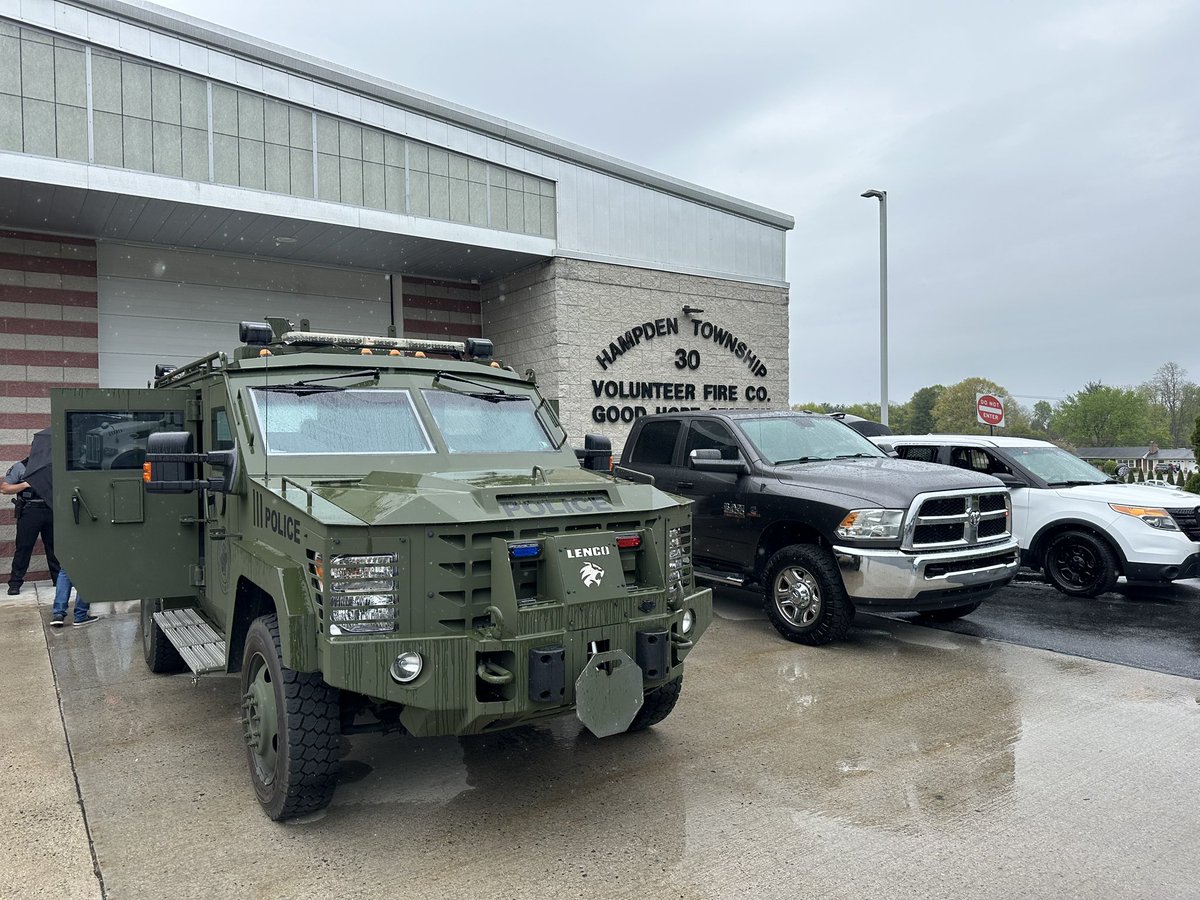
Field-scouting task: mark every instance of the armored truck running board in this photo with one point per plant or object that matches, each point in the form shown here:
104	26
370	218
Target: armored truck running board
719	578
199	645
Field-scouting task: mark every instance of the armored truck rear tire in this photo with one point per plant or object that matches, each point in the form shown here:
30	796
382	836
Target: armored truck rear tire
292	727
160	654
804	596
657	705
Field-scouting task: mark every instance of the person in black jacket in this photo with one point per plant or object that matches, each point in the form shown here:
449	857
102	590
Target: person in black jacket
34	520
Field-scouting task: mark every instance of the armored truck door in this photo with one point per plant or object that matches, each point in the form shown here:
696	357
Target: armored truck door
116	541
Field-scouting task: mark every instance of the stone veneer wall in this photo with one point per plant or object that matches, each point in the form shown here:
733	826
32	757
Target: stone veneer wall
558	316
47	339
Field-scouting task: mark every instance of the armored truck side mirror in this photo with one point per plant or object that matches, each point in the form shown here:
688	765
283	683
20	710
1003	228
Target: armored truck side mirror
170	466
709	460
596	453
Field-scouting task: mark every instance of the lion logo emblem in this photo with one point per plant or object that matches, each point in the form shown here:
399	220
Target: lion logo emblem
591	574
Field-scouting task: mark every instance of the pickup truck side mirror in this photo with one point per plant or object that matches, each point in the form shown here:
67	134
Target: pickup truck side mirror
1011	481
887	448
710	461
170	466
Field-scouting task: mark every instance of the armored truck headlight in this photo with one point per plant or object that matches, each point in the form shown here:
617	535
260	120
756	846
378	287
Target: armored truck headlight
1152	516
362	613
689	621
872	525
406	667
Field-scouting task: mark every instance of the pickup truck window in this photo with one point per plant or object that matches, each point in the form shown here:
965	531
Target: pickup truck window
792	439
710	436
656	443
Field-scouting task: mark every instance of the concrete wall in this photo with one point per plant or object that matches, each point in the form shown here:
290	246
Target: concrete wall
47	339
595	330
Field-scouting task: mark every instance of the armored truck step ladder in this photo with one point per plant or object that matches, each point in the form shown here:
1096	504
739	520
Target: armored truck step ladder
200	646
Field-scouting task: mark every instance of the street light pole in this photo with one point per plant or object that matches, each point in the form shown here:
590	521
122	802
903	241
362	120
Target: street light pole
881	196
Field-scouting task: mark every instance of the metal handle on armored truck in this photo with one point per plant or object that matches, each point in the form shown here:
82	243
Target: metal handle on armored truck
170	466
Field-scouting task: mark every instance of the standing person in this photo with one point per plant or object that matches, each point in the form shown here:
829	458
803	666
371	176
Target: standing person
62	597
34	519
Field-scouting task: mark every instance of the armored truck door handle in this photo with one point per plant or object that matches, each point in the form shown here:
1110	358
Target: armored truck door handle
77	501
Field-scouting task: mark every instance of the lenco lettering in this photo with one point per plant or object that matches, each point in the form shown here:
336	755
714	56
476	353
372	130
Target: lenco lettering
555	506
588	552
272	520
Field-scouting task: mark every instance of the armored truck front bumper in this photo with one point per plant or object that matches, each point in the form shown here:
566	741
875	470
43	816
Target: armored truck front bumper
474	683
899	580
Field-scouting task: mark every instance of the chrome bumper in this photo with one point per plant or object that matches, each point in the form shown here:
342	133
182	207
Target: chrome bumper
893	575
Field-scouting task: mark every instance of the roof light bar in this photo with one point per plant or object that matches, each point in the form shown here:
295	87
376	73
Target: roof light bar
328	339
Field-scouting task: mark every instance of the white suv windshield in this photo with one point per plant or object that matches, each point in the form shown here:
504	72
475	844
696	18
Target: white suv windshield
1056	466
787	439
339	421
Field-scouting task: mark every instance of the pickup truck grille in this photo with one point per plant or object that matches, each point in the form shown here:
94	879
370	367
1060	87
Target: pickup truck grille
1188	520
947	521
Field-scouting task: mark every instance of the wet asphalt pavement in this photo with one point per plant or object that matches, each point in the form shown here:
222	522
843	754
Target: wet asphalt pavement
1153	627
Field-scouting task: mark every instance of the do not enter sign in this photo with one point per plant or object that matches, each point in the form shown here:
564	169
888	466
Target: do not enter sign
989	409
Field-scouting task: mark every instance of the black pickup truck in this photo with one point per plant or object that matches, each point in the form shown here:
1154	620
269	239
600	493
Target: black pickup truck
823	520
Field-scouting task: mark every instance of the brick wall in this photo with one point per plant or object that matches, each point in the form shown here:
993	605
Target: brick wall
47	339
440	310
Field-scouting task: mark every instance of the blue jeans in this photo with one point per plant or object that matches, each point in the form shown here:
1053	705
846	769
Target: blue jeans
62	596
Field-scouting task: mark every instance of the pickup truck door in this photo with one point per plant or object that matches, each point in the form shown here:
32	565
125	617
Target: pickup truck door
115	541
719	515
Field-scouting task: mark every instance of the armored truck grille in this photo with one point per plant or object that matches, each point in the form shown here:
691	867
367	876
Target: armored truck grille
946	521
1188	521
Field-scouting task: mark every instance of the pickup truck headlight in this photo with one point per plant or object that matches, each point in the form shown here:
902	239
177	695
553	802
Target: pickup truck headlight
872	525
1151	515
362	597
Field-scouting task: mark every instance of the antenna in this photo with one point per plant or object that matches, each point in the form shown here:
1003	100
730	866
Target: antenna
266	423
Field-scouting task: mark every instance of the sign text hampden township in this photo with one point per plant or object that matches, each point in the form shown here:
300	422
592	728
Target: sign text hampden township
671	396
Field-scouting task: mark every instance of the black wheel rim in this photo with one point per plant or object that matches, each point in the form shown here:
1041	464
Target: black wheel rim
1077	564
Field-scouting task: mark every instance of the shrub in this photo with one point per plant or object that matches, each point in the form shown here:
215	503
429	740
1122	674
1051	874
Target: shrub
1193	482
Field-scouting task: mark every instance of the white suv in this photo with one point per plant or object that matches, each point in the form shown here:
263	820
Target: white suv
1072	521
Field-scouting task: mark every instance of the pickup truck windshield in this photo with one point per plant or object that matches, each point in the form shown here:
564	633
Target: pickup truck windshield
1057	466
794	439
339	422
475	423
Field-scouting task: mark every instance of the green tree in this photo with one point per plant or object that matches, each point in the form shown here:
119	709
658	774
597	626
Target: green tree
922	420
817	407
1103	416
1196	439
1170	390
1043	414
954	410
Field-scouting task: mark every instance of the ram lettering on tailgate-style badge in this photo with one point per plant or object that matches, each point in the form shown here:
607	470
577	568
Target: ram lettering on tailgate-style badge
591	574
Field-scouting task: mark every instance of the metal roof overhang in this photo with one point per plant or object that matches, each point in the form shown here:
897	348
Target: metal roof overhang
55	196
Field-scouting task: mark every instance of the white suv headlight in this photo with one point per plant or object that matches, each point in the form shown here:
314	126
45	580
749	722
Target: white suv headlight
1151	515
872	525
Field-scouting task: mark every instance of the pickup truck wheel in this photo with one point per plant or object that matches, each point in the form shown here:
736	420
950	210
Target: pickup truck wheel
292	728
160	654
948	615
805	599
1080	564
657	705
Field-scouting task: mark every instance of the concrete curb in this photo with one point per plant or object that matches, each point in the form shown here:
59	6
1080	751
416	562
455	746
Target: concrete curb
44	843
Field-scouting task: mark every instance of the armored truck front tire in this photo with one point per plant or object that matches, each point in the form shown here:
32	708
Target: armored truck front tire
161	656
292	727
657	705
804	597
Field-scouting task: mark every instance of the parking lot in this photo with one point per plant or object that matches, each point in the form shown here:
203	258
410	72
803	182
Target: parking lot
906	761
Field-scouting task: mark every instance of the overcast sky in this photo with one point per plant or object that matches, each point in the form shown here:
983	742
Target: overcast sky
1041	158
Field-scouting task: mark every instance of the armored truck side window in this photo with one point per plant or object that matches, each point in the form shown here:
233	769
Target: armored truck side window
112	439
221	437
487	423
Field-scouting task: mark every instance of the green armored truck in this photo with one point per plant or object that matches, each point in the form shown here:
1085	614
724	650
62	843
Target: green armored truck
377	534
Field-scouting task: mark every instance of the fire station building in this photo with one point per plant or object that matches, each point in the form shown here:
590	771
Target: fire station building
163	178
